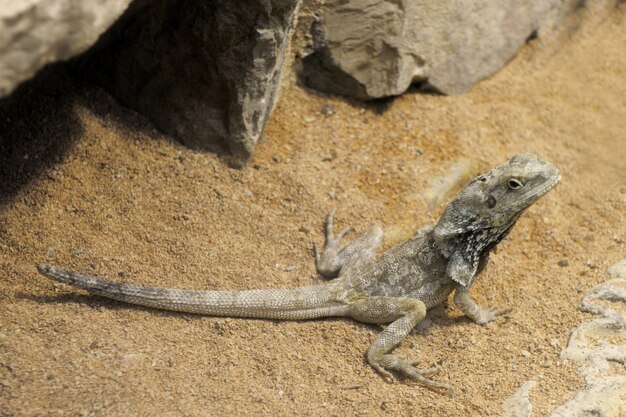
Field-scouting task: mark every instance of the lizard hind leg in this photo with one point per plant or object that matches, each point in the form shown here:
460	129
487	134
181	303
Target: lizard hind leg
336	257
404	314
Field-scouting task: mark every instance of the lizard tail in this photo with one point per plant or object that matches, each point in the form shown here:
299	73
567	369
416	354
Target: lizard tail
280	303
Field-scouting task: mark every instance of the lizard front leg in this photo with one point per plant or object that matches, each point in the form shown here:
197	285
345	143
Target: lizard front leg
334	257
404	314
473	310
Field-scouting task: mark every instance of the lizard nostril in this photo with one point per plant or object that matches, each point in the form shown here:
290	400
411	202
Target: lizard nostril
491	202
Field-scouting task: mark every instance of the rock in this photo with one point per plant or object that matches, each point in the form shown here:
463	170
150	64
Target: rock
34	33
327	110
369	49
597	347
518	404
207	73
618	270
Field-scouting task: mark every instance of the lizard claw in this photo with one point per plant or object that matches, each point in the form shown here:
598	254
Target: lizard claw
329	221
344	232
433	370
500	311
490	314
330	242
328	261
388	363
331	239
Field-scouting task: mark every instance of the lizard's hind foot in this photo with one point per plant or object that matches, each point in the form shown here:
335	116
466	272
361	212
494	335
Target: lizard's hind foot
335	257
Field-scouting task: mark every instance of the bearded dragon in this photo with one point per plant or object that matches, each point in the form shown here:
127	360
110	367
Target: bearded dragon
397	287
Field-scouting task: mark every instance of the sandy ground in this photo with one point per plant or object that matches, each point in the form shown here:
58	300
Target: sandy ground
89	185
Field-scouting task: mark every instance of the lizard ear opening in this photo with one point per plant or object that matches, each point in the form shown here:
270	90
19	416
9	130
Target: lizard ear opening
460	270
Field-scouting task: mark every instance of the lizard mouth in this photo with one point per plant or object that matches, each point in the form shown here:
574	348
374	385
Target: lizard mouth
550	184
542	190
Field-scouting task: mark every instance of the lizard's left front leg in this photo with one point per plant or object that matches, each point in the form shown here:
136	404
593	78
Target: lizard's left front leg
473	310
404	314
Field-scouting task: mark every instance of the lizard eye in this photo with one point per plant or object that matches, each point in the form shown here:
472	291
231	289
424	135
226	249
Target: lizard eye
515	184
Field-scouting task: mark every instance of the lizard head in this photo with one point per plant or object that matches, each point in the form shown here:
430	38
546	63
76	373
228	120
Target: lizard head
486	210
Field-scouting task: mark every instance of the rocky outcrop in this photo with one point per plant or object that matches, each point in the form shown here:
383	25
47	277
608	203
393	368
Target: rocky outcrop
368	49
34	33
207	73
595	346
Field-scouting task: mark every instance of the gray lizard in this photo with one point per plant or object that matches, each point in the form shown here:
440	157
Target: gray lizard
397	287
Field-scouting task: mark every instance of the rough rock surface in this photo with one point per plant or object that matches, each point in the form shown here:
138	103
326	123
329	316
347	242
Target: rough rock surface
595	346
34	33
205	72
370	49
518	404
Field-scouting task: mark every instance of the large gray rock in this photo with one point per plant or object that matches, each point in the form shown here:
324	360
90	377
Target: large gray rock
34	33
370	49
206	72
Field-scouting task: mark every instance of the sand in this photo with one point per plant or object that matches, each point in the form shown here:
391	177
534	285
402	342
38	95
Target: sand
90	186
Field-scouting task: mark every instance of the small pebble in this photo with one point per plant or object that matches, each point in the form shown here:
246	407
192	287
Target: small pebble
328	109
618	270
132	358
525	353
563	263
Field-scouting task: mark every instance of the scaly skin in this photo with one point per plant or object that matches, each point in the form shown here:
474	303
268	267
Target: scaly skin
398	287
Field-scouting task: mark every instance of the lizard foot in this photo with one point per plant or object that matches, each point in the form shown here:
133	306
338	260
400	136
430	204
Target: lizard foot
490	314
473	310
328	262
337	256
388	363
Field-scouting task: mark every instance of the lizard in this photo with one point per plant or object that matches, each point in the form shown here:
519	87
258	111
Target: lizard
395	288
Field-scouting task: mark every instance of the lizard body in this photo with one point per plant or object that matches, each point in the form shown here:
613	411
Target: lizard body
397	287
